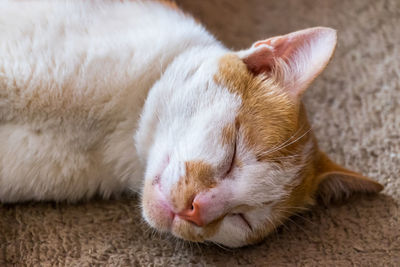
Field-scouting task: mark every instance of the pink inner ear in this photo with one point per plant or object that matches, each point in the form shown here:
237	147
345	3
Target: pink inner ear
281	45
263	59
304	54
260	61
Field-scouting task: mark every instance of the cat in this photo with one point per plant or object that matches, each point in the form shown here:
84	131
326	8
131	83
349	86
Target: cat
105	97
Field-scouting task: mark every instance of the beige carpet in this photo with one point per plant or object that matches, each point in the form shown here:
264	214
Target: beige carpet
355	109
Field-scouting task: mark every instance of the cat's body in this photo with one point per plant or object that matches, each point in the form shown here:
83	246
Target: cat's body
68	113
100	97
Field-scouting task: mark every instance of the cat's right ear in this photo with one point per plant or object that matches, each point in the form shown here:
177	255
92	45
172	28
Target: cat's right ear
335	182
296	58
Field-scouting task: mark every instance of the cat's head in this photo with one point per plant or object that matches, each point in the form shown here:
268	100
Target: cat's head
229	151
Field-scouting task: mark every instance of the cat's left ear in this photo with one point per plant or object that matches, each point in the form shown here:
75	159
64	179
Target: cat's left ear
297	58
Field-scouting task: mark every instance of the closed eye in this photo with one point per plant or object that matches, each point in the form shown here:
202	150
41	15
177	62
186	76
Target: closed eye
232	164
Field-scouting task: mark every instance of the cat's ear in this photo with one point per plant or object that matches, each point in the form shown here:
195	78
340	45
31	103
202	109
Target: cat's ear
336	183
297	58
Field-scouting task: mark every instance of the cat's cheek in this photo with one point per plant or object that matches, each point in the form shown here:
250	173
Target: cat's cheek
232	232
156	210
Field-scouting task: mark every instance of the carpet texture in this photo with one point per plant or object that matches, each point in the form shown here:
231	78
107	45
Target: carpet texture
355	110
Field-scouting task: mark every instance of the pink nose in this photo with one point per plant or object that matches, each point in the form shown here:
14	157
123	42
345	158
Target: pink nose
192	215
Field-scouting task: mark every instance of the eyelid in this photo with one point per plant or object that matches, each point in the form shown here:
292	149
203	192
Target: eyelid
242	208
232	162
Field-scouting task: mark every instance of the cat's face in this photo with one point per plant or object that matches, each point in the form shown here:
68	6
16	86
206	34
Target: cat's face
228	148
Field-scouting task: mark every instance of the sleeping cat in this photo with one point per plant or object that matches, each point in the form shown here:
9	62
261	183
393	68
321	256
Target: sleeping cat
96	95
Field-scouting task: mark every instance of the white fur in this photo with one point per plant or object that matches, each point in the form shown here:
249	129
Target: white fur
73	79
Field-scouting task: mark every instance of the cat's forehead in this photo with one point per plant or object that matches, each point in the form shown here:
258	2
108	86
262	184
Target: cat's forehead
263	118
267	116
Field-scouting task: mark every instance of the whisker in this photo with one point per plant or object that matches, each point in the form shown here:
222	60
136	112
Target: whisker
286	144
221	246
297	225
282	144
275	227
281	224
287	157
273	160
292	214
301	217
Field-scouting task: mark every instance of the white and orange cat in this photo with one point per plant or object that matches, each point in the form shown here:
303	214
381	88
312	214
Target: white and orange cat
101	97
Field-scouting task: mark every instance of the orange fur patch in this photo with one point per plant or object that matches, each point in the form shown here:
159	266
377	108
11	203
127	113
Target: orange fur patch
228	134
267	118
199	176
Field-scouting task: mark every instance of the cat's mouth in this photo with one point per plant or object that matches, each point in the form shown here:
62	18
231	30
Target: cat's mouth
239	219
243	220
210	232
192	232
